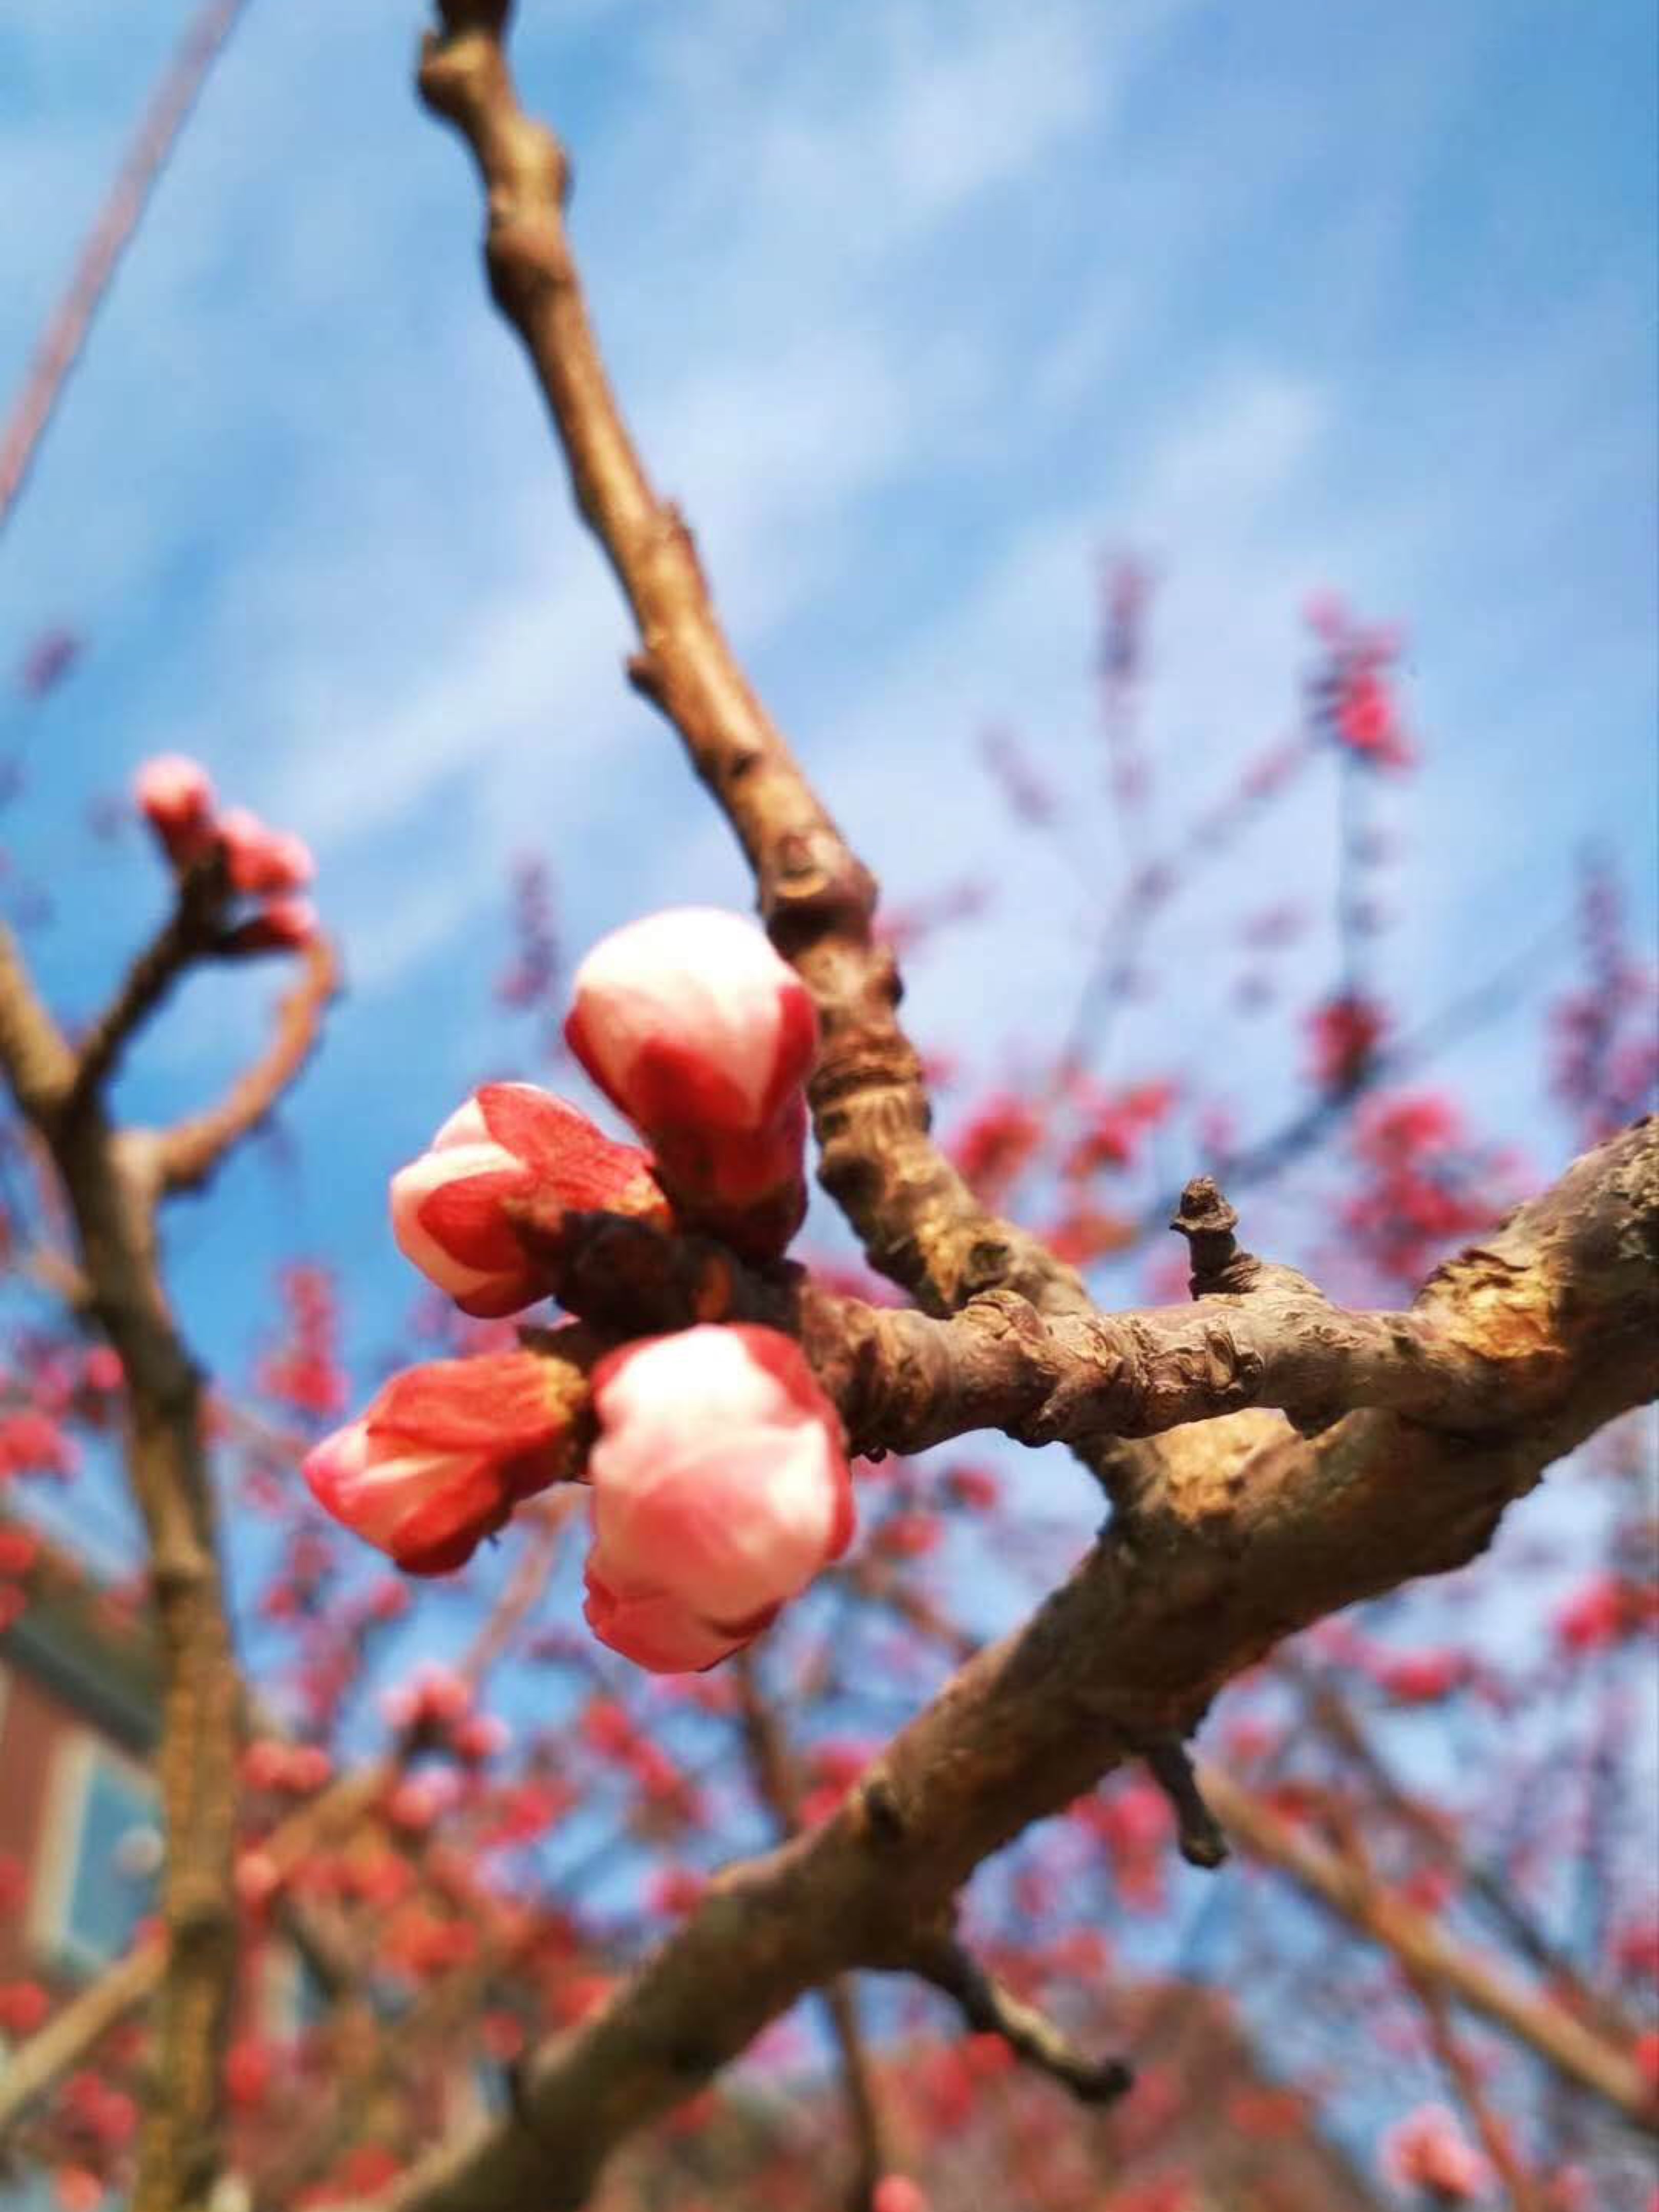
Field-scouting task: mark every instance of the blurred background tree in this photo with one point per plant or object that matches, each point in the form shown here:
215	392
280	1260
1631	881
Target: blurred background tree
1034	385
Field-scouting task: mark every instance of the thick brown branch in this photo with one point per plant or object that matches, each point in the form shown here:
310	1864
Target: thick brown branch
76	2027
110	1196
920	1222
1493	1341
37	1064
111	1182
1230	1536
193	1150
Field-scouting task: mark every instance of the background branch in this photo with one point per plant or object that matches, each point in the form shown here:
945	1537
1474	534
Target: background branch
1578	2052
191	1150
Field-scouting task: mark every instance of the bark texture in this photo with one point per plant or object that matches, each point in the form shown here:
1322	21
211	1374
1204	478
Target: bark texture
1408	1435
112	1183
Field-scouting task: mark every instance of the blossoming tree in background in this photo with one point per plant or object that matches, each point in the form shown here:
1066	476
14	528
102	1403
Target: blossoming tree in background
849	1844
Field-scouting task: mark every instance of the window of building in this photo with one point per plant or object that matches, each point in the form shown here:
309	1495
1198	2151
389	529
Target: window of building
100	1857
27	2192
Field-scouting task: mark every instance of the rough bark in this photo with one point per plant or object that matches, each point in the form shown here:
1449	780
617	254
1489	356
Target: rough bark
1225	1538
920	1222
112	1183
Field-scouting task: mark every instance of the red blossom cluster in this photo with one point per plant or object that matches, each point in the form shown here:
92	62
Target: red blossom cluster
283	1769
175	796
997	1146
1604	1610
304	1370
35	1443
1428	2151
719	1479
1351	699
1422	1185
1115	1125
1130	1818
1345	1034
1604	1043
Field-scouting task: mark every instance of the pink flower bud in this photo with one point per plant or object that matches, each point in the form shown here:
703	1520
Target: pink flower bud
1429	2151
720	1488
264	862
282	925
896	2192
510	1142
175	797
690	1023
444	1454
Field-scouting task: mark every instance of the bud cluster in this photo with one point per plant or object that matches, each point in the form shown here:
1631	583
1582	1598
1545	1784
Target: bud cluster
718	1475
175	797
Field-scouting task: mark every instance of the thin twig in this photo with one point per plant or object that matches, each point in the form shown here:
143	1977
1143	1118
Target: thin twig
991	2009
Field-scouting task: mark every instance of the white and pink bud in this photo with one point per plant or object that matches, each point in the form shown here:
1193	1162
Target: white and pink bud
510	1146
175	797
693	1026
445	1453
719	1489
263	862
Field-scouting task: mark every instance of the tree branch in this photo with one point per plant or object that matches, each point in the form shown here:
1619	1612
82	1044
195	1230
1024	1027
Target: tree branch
777	1781
37	1061
991	2009
49	371
1492	1341
1465	2078
1579	2053
920	1222
191	1150
1228	1537
188	935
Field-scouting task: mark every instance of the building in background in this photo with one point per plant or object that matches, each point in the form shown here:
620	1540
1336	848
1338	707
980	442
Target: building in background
80	1834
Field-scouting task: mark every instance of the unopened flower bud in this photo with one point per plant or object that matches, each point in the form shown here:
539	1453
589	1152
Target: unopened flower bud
445	1453
175	797
720	1488
263	861
282	925
510	1144
690	1023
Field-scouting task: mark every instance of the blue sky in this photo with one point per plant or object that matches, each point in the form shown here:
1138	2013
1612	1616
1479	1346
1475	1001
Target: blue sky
914	307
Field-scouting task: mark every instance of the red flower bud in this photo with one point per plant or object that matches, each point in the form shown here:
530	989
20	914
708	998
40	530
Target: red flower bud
175	798
720	1488
690	1023
445	1453
263	861
510	1142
